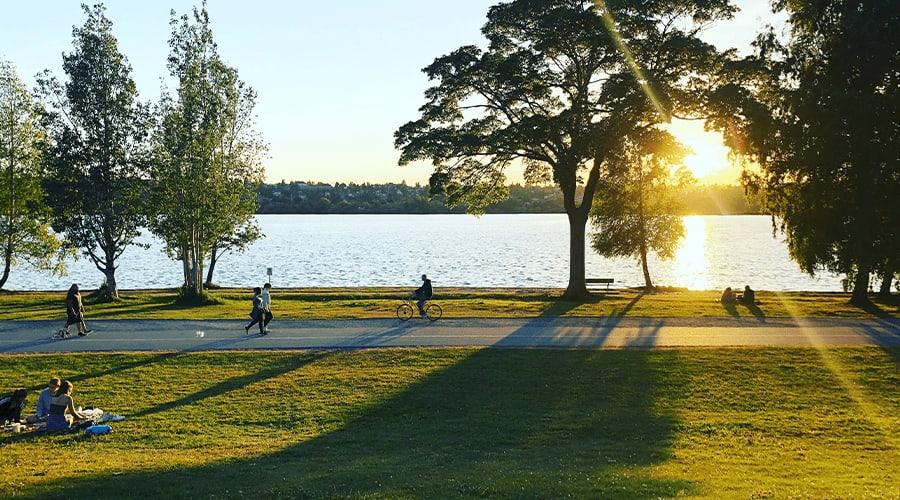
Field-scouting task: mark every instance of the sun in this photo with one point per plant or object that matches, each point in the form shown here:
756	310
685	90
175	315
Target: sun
709	163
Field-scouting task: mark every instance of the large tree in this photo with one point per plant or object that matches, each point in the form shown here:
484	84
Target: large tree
208	155
559	85
97	147
639	206
823	125
25	235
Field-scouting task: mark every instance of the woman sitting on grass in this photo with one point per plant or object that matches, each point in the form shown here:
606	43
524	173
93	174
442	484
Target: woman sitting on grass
62	409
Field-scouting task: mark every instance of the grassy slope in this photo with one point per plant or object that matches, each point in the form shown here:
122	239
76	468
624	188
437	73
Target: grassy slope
704	423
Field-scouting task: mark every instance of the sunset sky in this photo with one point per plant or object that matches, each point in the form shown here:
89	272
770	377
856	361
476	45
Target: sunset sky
335	79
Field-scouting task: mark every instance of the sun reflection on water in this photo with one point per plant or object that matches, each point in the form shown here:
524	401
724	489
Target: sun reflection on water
690	264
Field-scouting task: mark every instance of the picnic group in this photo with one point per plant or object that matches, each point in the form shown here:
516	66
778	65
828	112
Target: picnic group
55	412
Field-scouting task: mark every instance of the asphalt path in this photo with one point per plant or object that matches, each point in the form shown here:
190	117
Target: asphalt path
583	332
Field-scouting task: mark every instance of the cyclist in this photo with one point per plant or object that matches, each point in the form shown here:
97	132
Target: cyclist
422	294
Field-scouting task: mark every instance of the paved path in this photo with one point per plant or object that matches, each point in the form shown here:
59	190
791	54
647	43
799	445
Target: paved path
178	335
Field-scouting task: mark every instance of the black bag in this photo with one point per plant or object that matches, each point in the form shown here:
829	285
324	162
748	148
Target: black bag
11	406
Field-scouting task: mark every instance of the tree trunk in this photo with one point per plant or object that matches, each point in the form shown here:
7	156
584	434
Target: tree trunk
577	288
112	286
7	264
883	292
11	214
7	257
186	266
648	284
860	295
212	267
578	217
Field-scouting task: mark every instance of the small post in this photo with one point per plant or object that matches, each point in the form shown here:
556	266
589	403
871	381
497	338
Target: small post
269	274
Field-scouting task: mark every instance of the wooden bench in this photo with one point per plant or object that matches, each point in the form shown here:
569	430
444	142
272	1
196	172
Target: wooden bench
599	281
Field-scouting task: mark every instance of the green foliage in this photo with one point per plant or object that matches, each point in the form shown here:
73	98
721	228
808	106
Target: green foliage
639	209
719	200
820	116
25	235
323	198
559	85
96	149
208	156
187	296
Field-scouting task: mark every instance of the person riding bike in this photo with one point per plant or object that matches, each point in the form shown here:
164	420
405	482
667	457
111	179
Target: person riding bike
422	294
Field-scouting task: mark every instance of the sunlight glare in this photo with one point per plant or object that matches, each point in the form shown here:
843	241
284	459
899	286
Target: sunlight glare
690	259
709	163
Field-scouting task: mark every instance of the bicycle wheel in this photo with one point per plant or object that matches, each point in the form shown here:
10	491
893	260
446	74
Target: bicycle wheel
434	312
404	312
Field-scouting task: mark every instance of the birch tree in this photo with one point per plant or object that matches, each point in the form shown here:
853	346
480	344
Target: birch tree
208	156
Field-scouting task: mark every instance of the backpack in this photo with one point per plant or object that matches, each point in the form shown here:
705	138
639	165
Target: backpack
11	406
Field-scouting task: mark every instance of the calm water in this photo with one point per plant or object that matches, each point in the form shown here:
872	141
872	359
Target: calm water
457	250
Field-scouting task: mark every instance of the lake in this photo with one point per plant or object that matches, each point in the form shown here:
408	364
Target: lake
514	250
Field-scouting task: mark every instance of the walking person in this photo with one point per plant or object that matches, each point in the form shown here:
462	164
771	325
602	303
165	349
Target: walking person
267	306
256	314
75	312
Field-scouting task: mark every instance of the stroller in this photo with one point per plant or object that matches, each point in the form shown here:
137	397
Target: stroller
11	406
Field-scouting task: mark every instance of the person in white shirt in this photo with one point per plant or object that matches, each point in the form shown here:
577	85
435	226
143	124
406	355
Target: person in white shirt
266	306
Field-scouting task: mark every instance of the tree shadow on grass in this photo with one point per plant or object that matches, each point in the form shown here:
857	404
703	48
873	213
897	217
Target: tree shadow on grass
507	423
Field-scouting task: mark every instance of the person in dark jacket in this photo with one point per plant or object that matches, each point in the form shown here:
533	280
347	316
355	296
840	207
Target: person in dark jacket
422	294
75	312
256	314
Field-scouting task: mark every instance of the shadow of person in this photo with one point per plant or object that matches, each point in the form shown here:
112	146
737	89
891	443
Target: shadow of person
731	309
756	312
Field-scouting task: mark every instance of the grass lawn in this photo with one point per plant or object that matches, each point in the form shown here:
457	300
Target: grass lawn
341	303
437	423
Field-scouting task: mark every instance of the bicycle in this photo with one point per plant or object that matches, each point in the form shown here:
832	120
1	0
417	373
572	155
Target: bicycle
406	310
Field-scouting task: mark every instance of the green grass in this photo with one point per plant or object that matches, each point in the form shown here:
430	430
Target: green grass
338	303
462	423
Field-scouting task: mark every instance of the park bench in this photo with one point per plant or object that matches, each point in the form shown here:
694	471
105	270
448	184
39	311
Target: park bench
593	282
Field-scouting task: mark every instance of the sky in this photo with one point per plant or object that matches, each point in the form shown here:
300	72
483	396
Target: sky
334	79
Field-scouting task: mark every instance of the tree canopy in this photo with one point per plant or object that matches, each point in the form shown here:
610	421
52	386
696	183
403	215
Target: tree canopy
639	207
96	148
25	234
207	155
558	87
820	115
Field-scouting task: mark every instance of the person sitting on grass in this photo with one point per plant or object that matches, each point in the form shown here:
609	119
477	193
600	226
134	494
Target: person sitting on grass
11	406
749	296
62	409
728	297
44	401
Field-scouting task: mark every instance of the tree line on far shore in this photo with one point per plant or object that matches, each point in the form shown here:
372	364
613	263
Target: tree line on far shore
391	198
